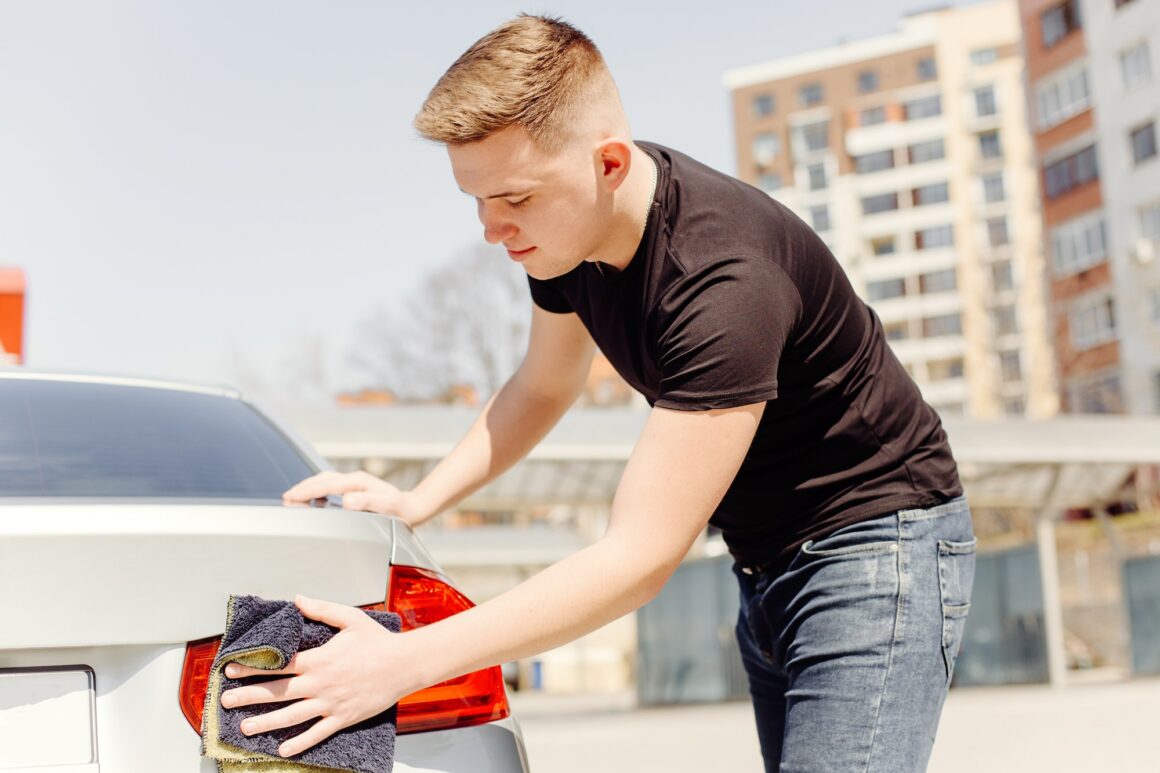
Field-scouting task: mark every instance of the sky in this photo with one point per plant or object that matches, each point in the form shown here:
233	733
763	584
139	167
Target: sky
219	190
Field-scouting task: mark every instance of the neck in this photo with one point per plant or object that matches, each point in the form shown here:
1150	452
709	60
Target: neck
630	216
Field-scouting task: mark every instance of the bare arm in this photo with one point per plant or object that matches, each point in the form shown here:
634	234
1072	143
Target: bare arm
548	381
676	476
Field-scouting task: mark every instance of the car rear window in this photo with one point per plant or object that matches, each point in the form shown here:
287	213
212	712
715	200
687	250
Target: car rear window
66	439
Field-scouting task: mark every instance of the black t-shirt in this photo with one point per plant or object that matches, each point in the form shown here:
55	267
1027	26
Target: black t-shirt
731	299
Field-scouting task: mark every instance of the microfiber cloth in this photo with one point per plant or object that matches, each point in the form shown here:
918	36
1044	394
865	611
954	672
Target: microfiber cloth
265	634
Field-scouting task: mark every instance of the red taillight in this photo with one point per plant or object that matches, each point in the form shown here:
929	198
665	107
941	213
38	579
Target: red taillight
199	657
419	597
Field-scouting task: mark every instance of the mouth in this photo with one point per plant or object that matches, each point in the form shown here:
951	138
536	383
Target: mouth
519	255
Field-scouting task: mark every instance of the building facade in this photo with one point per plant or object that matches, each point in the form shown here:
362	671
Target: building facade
1095	104
909	154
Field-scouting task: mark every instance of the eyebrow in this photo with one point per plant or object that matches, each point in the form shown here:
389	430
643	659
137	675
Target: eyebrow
504	195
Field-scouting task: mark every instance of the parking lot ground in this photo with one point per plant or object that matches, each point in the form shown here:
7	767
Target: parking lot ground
1113	727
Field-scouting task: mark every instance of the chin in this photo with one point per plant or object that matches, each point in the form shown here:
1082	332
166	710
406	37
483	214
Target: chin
551	270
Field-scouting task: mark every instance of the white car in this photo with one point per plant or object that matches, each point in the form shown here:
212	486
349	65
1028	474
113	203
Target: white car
130	510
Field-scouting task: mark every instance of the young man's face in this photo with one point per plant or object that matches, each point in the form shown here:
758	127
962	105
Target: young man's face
549	211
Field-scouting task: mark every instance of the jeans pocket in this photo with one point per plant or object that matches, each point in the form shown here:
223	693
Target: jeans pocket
956	574
811	548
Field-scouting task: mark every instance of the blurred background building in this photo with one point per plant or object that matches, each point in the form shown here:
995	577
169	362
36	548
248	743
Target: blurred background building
909	154
1095	105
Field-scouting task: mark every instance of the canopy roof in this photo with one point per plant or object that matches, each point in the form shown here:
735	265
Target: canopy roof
1070	461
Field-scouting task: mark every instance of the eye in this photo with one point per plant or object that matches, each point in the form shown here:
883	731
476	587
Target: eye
520	203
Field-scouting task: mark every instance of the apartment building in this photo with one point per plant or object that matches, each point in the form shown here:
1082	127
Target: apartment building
909	154
1095	100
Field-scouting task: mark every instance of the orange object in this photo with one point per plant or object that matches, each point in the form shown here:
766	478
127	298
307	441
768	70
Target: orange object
12	287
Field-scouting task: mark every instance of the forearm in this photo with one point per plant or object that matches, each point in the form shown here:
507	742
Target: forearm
510	425
575	596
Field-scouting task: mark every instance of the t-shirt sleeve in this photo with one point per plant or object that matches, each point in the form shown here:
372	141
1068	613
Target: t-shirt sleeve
722	333
548	297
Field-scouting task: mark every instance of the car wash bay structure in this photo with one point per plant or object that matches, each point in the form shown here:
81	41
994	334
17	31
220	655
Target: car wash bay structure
1041	469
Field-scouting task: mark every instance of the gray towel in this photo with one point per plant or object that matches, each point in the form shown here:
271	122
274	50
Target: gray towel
265	634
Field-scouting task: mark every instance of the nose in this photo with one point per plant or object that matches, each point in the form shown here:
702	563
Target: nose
496	227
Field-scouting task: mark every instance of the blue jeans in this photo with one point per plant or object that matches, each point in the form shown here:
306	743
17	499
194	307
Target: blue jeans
850	651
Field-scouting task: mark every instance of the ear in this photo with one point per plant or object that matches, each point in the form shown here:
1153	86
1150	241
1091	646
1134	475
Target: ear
613	158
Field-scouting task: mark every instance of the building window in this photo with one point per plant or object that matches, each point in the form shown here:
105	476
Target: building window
1144	143
874	162
944	370
943	325
993	188
943	281
1098	393
922	108
1003	321
989	146
985	101
1014	406
766	146
883	245
1010	366
931	194
872	115
930	238
1136	65
1092	321
815	136
926	69
896	331
820	217
885	289
1061	96
883	202
763	105
1058	21
1150	221
1078	244
817	173
1071	172
931	150
810	94
982	56
1002	276
867	81
997	235
769	181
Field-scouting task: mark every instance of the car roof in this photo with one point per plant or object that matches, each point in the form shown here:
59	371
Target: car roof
78	377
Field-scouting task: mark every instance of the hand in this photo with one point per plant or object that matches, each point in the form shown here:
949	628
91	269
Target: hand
346	680
361	491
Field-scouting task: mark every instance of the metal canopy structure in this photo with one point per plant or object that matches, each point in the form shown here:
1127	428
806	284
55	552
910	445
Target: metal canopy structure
1044	466
1060	463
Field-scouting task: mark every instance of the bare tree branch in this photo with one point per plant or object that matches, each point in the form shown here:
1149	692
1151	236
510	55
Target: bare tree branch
467	324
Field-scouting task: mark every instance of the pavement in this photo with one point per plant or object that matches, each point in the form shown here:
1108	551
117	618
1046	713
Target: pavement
1098	727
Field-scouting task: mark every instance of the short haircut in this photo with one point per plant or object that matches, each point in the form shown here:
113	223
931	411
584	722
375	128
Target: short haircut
535	72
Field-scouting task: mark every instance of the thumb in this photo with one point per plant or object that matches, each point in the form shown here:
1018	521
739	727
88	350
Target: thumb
338	615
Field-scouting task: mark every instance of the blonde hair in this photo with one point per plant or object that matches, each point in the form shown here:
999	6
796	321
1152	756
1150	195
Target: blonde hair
535	72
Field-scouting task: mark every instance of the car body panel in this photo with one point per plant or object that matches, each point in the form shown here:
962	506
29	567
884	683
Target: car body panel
138	573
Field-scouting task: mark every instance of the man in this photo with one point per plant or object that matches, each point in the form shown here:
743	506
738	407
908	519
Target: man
779	414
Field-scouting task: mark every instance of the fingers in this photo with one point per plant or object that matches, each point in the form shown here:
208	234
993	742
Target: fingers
240	671
287	716
371	502
338	615
331	482
318	732
266	692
